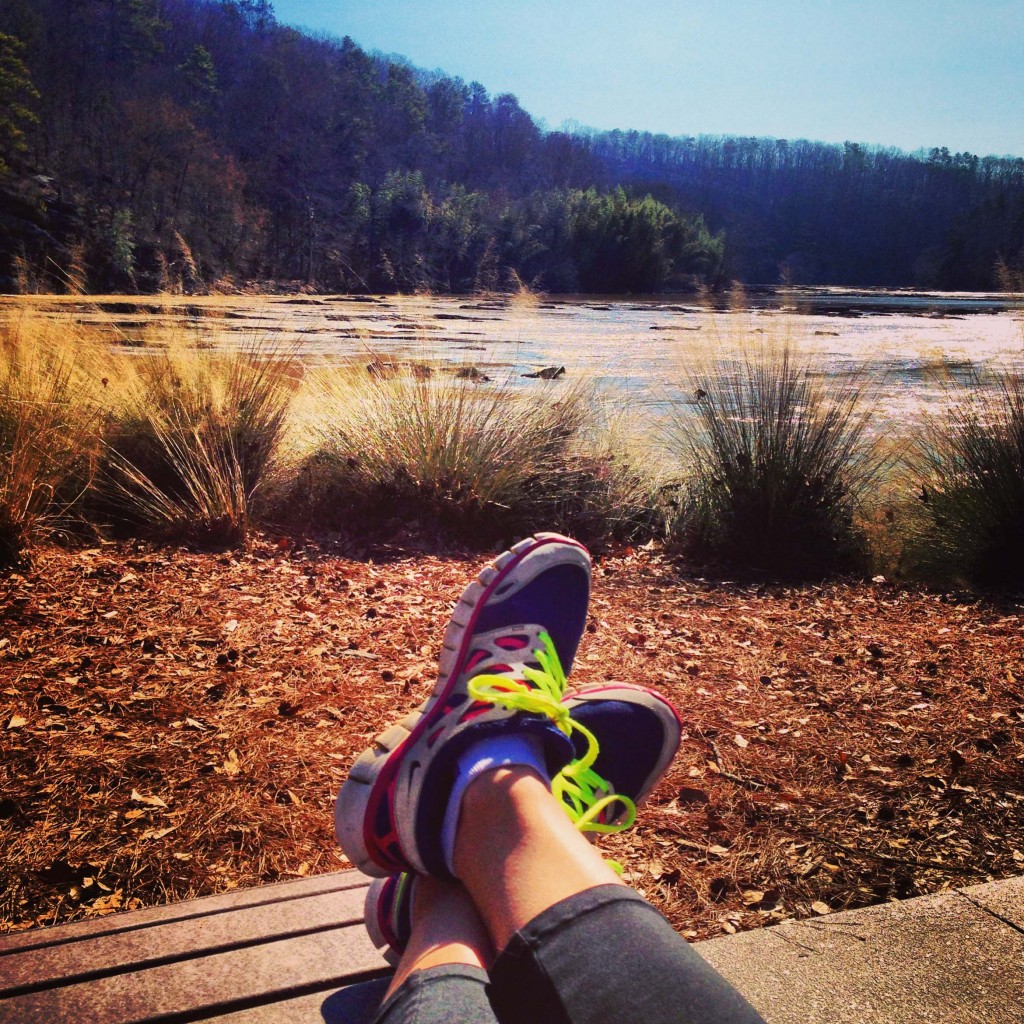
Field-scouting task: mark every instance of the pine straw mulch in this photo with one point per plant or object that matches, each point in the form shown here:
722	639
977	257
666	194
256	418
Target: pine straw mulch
175	724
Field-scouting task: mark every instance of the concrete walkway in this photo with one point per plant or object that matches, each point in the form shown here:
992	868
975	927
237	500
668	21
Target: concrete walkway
946	959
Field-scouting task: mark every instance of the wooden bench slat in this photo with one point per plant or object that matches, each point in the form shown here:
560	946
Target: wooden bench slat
185	910
165	942
198	989
353	1004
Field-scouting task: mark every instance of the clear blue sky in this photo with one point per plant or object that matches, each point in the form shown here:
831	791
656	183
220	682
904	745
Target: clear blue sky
907	73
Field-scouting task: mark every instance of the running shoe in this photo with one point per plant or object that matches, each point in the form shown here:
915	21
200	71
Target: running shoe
637	734
388	914
511	640
625	738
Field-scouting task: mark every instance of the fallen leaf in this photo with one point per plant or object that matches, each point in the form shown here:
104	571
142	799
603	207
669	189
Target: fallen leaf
740	741
157	833
151	801
106	904
751	897
232	765
17	722
821	908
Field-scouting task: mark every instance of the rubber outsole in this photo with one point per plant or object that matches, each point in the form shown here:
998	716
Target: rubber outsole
371	917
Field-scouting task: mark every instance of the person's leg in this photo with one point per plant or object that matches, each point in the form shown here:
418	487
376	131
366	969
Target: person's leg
442	793
446	929
577	944
517	853
442	975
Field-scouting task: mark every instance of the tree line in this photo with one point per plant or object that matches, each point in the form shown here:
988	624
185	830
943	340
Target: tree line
183	144
817	213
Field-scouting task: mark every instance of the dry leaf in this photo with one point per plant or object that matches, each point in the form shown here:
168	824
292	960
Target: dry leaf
740	741
232	765
157	833
152	801
821	908
752	896
17	722
106	904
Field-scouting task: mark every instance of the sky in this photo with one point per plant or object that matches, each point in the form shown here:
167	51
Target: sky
906	73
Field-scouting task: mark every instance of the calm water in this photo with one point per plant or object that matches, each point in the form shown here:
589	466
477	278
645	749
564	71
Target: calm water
636	350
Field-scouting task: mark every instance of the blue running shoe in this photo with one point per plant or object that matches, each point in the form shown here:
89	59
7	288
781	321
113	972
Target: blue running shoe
626	737
387	914
501	670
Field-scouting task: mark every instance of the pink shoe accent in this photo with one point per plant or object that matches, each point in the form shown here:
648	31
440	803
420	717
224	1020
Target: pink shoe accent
512	643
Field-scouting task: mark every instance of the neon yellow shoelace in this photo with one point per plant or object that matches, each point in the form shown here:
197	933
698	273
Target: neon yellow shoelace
581	791
544	697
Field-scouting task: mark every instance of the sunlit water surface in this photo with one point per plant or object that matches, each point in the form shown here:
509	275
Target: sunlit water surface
638	352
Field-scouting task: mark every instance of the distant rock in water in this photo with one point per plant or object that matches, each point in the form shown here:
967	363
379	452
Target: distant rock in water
471	373
548	373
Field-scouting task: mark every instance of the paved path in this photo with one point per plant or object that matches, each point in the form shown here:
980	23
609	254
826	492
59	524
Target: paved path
946	959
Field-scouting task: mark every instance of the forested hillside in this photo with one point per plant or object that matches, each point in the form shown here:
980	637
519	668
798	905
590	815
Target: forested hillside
188	144
850	214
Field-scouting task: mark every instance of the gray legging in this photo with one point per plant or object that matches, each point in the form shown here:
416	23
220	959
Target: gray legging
603	956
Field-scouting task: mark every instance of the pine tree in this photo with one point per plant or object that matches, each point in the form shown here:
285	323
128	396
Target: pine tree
17	93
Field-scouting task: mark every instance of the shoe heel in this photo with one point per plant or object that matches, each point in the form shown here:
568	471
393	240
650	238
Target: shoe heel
354	797
371	918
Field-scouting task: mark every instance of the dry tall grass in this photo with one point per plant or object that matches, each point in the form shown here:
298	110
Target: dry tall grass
966	525
48	411
778	464
193	437
459	459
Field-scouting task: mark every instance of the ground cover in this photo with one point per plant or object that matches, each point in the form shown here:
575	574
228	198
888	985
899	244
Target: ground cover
174	724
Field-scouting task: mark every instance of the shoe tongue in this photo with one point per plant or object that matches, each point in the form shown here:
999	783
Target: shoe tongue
504	651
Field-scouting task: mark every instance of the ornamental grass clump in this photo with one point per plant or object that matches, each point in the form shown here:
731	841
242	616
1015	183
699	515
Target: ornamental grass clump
47	436
966	523
451	457
193	437
776	465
